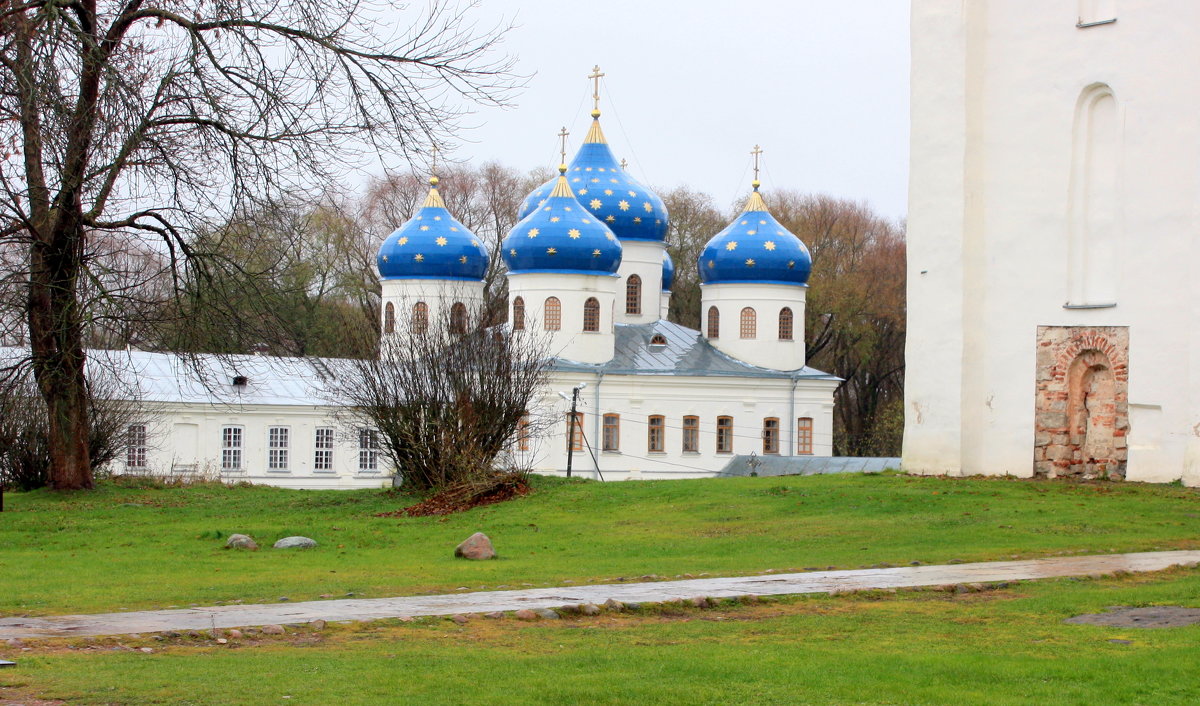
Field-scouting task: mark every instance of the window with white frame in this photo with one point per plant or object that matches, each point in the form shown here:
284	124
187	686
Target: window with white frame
323	453
278	445
231	448
135	446
368	450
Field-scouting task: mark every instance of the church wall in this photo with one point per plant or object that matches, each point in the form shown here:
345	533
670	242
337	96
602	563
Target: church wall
765	349
1000	212
570	341
644	259
438	295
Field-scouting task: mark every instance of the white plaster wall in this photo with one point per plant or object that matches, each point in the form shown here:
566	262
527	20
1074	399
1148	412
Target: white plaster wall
994	93
664	304
438	295
573	290
643	258
767	300
748	400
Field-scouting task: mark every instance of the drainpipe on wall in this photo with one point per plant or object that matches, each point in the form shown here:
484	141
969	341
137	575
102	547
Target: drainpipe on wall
598	444
792	418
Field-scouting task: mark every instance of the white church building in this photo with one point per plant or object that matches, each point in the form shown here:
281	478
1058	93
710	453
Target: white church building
1053	218
587	267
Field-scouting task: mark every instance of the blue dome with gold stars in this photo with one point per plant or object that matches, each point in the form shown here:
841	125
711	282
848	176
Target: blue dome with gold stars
755	248
668	275
561	236
632	211
433	245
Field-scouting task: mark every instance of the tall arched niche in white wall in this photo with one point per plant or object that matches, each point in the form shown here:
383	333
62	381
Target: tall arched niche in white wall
1094	220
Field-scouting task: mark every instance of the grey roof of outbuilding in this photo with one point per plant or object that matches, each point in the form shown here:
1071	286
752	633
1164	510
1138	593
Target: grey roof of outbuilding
686	352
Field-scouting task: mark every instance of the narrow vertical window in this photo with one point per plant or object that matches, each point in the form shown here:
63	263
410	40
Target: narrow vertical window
749	323
591	314
612	432
420	318
323	449
519	314
553	314
458	318
804	436
523	433
368	450
575	432
714	322
785	324
655	431
135	446
691	434
770	435
277	448
724	435
231	448
633	295
389	318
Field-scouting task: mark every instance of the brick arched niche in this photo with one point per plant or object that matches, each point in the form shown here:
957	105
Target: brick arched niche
1082	402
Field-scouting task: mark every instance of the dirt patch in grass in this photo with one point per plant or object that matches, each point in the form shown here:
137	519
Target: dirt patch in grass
467	495
1166	616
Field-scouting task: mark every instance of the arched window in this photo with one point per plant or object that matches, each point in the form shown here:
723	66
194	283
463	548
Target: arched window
389	318
633	295
655	431
804	436
458	318
749	323
591	314
691	434
724	435
770	435
714	322
420	318
552	316
658	340
785	324
612	432
519	314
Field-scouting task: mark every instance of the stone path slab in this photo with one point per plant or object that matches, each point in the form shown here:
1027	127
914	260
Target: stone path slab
236	616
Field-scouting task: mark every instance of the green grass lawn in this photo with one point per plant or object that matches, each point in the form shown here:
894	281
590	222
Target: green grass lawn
1006	646
125	548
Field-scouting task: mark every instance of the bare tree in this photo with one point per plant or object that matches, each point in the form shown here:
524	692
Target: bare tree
694	220
447	397
142	122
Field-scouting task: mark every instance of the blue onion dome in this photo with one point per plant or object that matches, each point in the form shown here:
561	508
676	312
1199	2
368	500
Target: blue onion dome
755	248
668	275
432	245
561	236
609	193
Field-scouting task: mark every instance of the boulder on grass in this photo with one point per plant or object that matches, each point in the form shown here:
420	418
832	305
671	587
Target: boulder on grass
241	541
477	547
295	543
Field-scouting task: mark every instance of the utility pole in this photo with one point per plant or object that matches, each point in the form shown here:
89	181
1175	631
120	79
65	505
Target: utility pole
571	425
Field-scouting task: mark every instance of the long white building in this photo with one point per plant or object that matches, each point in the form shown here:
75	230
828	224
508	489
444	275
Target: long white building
1052	228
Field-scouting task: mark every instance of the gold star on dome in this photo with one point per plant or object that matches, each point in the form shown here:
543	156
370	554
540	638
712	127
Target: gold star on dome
403	241
419	257
751	232
711	264
614	181
576	168
596	252
791	264
576	180
475	243
533	232
762	223
608	192
543	201
743	223
595	204
463	259
454	229
637	219
441	241
610	218
646	205
385	258
555	219
633	193
512	251
610	236
546	208
420	218
657	221
437	218
732	245
595	180
574	233
551	251
582	191
769	245
750	262
600	168
424	227
566	208
588	169
624	205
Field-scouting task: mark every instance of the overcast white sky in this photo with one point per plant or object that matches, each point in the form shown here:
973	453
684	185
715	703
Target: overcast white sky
692	85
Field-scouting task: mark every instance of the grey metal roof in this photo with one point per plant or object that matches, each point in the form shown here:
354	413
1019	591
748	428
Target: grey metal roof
806	465
686	352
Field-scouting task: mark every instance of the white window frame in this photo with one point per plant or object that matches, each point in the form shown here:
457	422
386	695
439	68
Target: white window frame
233	445
279	446
323	444
135	446
368	451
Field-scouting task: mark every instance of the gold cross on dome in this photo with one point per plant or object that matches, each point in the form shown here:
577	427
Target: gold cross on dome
562	136
433	167
756	152
623	164
596	76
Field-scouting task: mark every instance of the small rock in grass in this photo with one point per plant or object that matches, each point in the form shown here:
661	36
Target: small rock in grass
614	604
750	598
295	543
317	624
146	650
325	595
698	602
222	641
241	541
460	619
547	614
495	615
272	630
1121	642
14	642
284	599
525	614
633	606
476	547
234	634
589	609
568	609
